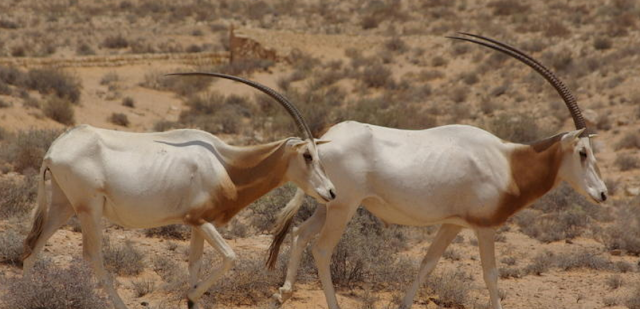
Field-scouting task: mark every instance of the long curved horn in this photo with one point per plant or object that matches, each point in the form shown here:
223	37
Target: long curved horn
560	87
291	109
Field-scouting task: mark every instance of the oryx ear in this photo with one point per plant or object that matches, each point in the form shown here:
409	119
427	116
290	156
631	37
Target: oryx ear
321	141
571	138
593	135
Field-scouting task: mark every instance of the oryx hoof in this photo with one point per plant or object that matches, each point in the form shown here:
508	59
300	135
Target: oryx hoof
283	295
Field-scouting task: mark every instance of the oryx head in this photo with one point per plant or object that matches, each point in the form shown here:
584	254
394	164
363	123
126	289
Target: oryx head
304	166
578	166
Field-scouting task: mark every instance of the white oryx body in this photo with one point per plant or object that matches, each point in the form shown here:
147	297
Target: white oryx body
456	175
410	175
144	180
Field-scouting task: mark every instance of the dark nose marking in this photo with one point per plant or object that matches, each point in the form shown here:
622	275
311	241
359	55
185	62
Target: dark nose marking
603	196
333	195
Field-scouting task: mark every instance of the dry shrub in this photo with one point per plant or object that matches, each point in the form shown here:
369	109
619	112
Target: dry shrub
123	259
396	44
629	141
508	7
246	284
377	76
555	28
560	214
52	287
17	196
540	263
214	113
602	43
633	302
510	272
165	125
623	266
516	127
583	260
614	281
11	247
266	209
25	149
452	288
109	78
128	102
244	66
143	286
385	111
182	85
365	253
174	231
625	234
115	42
119	119
55	81
626	162
60	110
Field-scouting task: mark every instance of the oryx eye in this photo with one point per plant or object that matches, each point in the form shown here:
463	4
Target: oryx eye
583	154
307	157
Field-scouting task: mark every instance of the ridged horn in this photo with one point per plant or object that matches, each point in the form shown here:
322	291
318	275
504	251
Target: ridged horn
560	87
288	106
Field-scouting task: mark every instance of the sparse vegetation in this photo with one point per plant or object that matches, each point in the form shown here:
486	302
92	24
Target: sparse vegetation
115	42
54	288
60	110
25	149
128	102
11	248
119	119
122	259
175	231
629	141
626	162
54	81
17	196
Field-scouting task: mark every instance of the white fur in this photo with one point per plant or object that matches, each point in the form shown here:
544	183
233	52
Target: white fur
145	180
435	176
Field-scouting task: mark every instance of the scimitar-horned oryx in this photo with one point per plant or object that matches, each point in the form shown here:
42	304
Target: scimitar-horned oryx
458	176
145	180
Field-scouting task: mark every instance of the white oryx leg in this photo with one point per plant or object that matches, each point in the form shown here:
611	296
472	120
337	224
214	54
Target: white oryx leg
488	258
195	258
58	214
213	237
338	215
300	238
445	235
90	216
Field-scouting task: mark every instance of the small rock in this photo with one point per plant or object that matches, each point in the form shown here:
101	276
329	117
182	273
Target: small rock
144	303
616	252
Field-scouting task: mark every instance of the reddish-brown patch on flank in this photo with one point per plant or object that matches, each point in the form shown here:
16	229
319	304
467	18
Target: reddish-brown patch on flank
534	171
82	208
253	172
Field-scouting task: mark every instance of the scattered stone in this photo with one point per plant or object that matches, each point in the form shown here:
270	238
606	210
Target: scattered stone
616	252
